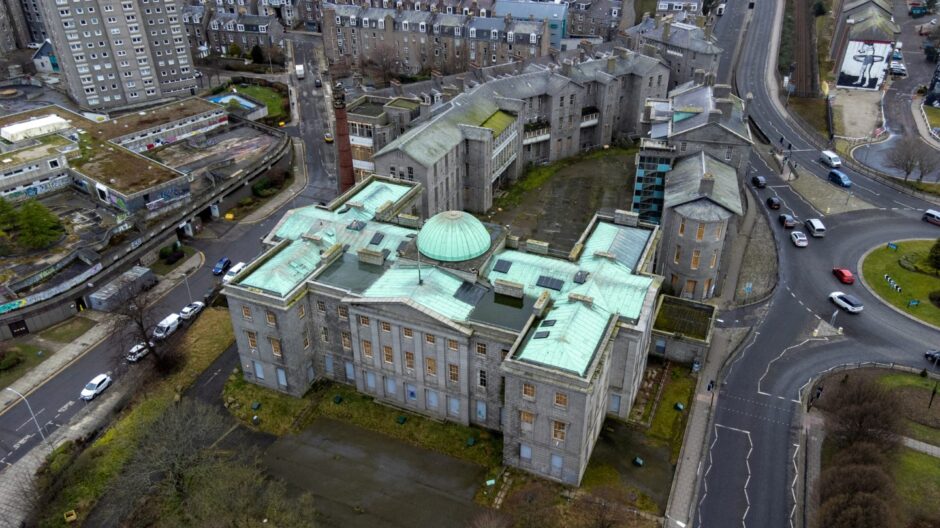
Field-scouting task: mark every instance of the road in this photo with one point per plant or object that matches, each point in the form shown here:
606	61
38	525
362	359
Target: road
56	401
749	472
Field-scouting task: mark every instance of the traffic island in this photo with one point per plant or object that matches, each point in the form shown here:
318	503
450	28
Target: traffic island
900	274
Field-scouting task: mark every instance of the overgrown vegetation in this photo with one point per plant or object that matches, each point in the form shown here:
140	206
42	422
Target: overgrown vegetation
171	257
16	360
29	226
785	55
69	330
813	111
76	480
668	424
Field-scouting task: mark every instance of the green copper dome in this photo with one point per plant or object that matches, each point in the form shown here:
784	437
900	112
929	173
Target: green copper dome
453	236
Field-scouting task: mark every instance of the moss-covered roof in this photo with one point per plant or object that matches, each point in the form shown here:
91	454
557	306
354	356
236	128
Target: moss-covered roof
44	147
681	316
498	122
407	104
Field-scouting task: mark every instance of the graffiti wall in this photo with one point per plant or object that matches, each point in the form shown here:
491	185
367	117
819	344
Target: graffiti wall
864	65
35	189
51	292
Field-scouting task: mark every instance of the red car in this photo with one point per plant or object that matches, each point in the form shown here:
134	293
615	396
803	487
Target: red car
844	275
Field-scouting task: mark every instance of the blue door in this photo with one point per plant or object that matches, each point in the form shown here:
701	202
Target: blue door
350	371
370	381
281	378
390	387
453	406
259	370
481	410
411	393
525	453
329	365
432	399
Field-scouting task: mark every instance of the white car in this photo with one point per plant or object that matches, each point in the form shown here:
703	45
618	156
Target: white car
799	239
849	303
233	271
96	386
191	310
137	352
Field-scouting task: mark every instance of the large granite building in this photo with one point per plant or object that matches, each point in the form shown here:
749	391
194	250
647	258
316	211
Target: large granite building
479	140
680	41
453	319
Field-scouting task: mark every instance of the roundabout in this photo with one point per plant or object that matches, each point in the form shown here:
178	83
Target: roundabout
900	275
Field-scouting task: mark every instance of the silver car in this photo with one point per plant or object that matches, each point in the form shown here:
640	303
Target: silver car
847	302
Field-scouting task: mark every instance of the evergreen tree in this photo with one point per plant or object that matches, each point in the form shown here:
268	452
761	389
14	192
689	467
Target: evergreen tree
36	226
257	54
7	215
934	257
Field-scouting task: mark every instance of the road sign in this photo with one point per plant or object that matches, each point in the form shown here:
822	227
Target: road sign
912	303
748	287
892	246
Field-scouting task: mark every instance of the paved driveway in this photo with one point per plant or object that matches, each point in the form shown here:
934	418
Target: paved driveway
364	479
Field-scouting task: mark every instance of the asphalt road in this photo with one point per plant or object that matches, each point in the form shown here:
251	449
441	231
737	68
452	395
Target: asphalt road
749	473
57	400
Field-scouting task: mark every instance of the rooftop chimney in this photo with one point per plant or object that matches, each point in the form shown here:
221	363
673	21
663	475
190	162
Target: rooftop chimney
667	27
623	53
698	77
566	68
710	79
706	185
611	64
458	80
343	148
657	20
708	31
714	116
721	91
649	50
724	106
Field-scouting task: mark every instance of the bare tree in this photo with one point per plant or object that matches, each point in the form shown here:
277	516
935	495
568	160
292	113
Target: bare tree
140	319
905	156
928	163
489	519
383	58
852	479
862	510
863	411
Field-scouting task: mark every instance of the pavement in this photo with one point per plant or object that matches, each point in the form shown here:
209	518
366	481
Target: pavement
296	187
107	325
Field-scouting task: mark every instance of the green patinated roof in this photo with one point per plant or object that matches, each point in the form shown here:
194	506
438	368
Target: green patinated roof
498	122
453	236
407	104
285	270
435	293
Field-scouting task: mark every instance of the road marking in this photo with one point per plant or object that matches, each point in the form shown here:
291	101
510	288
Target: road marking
785	350
21	441
796	475
904	204
66	406
865	188
30	419
799	301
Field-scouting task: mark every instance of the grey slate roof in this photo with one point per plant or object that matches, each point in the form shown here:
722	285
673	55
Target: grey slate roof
698	101
683	187
256	20
681	35
539	10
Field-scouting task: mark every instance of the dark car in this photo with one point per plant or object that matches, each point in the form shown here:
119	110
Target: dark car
773	202
222	266
932	356
318	83
787	221
759	182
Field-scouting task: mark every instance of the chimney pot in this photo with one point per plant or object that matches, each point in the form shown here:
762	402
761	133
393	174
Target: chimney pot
707	184
611	64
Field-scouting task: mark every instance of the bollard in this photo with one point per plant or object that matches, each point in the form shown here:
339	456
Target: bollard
840	330
815	332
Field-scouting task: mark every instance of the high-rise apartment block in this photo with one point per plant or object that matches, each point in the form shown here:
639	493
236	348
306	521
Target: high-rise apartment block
120	54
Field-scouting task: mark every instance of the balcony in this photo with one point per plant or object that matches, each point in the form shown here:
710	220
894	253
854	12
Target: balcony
589	120
535	136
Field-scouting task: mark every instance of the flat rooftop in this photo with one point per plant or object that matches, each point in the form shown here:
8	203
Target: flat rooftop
35	149
367	108
685	317
407	104
118	167
137	121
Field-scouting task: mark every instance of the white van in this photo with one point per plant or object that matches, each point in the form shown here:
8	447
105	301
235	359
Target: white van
830	158
932	216
815	227
234	270
721	10
167	326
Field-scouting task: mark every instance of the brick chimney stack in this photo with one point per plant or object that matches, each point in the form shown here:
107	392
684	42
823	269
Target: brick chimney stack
344	150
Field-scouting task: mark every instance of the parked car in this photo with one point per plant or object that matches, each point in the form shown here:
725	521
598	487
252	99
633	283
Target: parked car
931	216
844	275
932	356
759	182
799	239
328	137
96	386
236	269
787	221
191	310
849	303
318	83
773	202
222	266
137	352
166	327
897	55
897	68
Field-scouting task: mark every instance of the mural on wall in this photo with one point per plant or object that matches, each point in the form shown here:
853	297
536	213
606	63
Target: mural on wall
864	65
51	292
36	189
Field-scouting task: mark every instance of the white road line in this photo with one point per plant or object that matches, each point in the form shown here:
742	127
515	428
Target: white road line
817	316
30	419
799	301
904	204
792	294
705	477
785	350
865	188
796	475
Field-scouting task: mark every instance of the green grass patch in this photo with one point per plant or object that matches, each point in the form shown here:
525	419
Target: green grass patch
897	380
68	331
30	356
813	111
925	187
535	177
668	424
914	285
824	29
162	268
933	116
278	413
917	479
922	432
271	98
598	476
787	38
86	479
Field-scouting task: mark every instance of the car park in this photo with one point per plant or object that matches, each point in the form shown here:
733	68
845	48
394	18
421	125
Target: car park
844	275
191	310
236	269
95	387
222	266
759	182
799	239
787	221
137	352
773	202
847	302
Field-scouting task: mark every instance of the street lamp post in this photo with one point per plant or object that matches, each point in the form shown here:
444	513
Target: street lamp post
28	406
188	291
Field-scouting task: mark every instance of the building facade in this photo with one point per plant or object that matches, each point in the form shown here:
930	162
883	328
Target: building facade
685	47
403	41
118	55
454	320
244	31
555	14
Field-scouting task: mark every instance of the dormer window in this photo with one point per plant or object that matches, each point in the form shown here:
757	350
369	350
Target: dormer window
450	10
533	38
339	21
262	29
417	6
457	31
483	13
494	34
385	4
365	22
473	32
241	27
466	11
437	28
404	26
215	25
423	28
381	23
615	12
509	37
352	21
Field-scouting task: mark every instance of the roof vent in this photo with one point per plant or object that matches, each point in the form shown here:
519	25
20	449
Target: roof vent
548	322
502	266
540	335
377	239
356	225
580	277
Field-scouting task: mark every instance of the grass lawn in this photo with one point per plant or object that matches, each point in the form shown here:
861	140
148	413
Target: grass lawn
917	479
898	380
161	268
270	97
31	357
813	111
69	330
933	116
914	285
927	187
84	477
668	424
923	433
824	28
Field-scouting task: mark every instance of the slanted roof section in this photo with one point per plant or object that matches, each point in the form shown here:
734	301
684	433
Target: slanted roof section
689	109
871	23
681	35
285	270
571	342
435	292
498	122
685	183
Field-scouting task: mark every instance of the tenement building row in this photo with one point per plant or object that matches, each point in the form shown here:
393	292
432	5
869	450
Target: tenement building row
454	319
